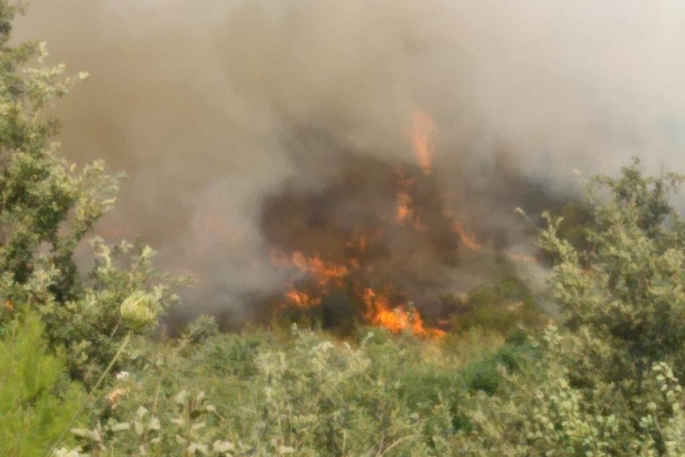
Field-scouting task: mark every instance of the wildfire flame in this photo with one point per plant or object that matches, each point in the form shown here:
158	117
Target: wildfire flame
302	299
405	210
397	319
405	213
467	240
326	274
318	276
423	134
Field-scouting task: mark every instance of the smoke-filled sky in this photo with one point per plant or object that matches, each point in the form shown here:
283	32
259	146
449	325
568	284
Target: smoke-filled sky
210	106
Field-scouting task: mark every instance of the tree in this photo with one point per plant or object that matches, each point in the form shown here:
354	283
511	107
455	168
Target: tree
37	402
605	386
629	288
48	207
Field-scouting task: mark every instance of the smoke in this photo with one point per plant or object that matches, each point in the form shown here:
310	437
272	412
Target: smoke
214	107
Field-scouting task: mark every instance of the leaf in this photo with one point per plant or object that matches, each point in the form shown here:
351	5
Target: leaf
201	448
196	427
121	426
82	432
141	412
181	397
222	446
154	424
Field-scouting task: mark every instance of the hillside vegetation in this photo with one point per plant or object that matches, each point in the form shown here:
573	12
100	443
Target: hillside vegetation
81	375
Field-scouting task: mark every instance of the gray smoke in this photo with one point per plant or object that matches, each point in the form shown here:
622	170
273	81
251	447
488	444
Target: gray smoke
210	106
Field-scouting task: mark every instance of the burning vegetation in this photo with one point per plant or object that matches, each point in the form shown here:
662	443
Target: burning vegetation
378	242
372	247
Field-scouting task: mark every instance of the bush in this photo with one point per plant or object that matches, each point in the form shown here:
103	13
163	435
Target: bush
604	385
505	305
49	209
311	394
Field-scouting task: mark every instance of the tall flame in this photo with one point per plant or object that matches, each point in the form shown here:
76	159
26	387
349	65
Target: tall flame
468	240
324	273
323	276
301	299
405	211
423	134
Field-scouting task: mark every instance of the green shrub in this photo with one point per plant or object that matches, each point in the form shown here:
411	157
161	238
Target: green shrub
201	329
484	377
311	394
49	209
505	305
604	385
37	400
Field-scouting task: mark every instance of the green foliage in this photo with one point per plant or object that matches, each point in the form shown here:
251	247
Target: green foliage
542	413
307	395
234	354
576	218
504	305
201	329
604	386
632	291
487	374
37	401
48	209
607	384
339	312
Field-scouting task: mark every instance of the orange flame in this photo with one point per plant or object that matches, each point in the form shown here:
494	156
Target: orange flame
404	212
302	299
324	273
378	308
397	319
358	247
468	240
423	134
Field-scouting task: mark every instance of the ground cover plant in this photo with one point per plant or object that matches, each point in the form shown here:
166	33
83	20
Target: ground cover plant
309	394
81	375
37	399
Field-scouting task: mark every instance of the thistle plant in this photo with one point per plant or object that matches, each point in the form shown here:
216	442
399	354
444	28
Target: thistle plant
138	312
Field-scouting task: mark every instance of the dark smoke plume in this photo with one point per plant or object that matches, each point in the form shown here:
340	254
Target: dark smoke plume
236	118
